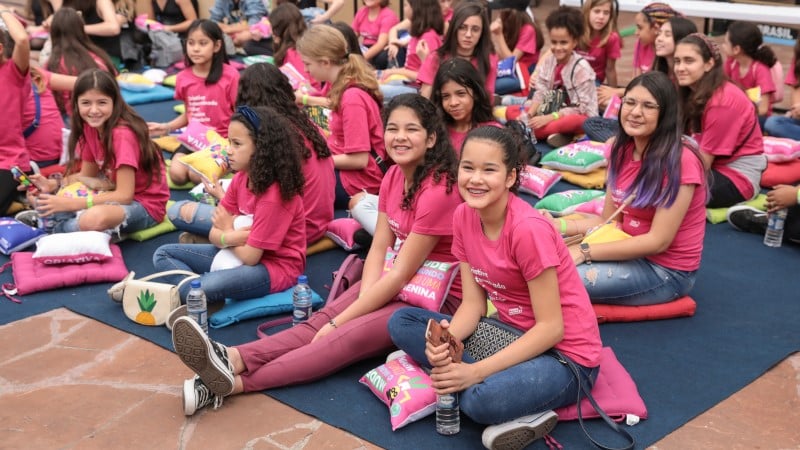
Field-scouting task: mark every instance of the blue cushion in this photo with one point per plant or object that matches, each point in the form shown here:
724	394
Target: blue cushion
238	310
156	94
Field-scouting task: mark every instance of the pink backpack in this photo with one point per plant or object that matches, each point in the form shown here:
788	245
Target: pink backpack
777	78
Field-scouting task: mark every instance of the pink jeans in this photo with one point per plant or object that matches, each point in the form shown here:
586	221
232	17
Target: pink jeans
571	124
289	357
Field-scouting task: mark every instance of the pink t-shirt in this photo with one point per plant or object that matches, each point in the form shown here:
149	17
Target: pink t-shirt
730	131
686	248
447	15
12	100
528	244
757	75
427	72
318	194
210	105
457	137
598	55
278	229
431	214
126	153
791	80
45	143
357	127
369	30
527	43
434	42
293	57
643	56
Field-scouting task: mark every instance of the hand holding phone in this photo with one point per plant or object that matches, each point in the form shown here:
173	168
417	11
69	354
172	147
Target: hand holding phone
437	335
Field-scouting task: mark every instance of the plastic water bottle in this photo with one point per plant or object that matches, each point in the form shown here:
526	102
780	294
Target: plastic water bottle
301	300
196	305
45	223
774	235
448	421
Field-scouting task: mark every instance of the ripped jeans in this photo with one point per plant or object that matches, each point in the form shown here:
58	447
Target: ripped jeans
635	282
199	223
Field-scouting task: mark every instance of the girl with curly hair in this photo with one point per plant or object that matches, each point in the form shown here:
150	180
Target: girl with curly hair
511	254
722	119
356	138
417	200
112	143
264	85
258	226
467	38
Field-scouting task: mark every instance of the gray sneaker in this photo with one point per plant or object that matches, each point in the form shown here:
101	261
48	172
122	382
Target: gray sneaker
518	433
197	395
206	358
29	217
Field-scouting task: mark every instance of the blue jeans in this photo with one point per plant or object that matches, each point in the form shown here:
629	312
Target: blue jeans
507	85
782	126
600	129
241	283
634	282
539	384
199	224
136	218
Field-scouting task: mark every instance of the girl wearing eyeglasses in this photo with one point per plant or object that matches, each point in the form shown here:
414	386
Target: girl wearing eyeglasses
722	119
468	38
657	181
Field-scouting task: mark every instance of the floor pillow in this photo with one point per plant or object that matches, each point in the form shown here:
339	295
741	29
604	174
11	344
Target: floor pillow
781	173
158	229
615	392
595	179
681	307
167	143
34	276
275	303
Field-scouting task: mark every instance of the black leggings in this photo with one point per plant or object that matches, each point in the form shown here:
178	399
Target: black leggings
8	190
791	229
723	192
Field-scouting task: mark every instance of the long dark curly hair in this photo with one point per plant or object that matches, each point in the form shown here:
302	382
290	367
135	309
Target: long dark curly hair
276	156
440	159
150	158
263	84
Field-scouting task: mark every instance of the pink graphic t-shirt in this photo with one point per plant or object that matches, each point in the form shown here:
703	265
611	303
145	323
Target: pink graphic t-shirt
212	105
369	30
598	55
278	229
431	214
528	244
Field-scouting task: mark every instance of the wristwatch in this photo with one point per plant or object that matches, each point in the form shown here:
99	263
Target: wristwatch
587	256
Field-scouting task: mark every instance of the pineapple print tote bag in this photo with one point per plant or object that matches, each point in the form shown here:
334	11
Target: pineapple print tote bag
149	302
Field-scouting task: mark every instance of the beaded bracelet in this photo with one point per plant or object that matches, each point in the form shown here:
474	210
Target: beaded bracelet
333	323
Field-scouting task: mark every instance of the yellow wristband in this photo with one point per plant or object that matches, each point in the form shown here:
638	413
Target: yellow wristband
222	240
556	116
305	99
562	226
89	201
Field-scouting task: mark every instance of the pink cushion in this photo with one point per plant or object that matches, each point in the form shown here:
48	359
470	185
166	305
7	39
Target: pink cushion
614	390
781	149
781	173
341	231
681	307
33	276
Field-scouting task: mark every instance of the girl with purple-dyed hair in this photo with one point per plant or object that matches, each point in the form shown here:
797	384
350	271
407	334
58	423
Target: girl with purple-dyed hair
656	191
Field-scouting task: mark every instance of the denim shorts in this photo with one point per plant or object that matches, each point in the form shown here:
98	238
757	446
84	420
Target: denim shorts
136	218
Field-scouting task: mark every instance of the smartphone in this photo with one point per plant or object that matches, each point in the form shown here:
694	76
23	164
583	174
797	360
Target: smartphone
437	335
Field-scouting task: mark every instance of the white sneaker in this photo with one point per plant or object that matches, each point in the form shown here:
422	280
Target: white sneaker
518	433
197	395
206	358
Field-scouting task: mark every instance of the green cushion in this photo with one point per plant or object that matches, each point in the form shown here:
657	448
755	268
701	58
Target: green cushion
565	202
149	233
180	108
170	80
718	215
182	187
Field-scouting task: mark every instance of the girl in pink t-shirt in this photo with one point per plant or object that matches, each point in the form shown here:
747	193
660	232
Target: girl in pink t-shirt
459	93
601	44
356	128
425	26
257	239
749	62
114	146
13	76
513	33
372	24
467	38
207	86
417	202
656	191
669	34
788	125
510	254
73	51
723	121
45	140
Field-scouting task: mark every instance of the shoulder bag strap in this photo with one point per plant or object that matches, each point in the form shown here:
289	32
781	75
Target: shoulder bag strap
189	275
35	124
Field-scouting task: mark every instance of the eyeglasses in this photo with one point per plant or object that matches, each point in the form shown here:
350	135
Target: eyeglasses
474	29
647	107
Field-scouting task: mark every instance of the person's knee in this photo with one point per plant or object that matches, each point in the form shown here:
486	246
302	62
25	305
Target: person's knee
188	211
355	199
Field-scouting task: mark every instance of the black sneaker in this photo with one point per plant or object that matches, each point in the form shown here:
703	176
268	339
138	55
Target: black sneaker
746	218
197	395
206	358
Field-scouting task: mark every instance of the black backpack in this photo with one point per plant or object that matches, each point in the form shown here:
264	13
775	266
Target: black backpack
528	141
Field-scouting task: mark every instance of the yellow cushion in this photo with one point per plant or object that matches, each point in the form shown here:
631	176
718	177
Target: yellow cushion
606	233
167	143
595	179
